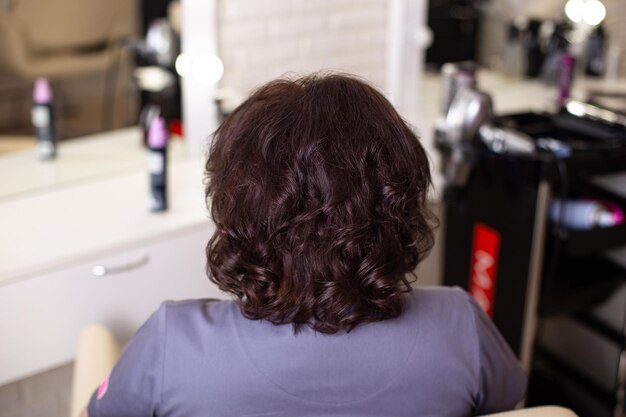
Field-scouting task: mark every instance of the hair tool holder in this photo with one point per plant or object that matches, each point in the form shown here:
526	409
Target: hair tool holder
468	125
507	240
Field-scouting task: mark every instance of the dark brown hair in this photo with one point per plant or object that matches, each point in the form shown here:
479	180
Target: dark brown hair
317	188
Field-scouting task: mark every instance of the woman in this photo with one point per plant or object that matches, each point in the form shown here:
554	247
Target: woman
318	192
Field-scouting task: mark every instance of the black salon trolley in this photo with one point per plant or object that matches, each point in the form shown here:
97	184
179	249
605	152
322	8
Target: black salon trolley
501	245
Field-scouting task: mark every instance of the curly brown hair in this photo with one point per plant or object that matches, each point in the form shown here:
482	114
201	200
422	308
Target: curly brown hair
318	189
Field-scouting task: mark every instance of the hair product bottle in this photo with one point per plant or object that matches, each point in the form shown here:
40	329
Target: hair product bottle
568	61
157	164
43	119
585	214
148	113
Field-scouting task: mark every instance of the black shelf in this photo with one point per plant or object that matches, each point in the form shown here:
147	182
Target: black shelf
596	148
599	326
579	284
594	241
599	239
555	382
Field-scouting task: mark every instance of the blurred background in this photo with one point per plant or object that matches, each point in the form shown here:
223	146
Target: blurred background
91	233
95	55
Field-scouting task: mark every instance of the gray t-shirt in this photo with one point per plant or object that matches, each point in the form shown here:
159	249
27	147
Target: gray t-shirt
442	357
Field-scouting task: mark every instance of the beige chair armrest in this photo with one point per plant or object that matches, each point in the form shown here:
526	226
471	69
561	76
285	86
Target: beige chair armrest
547	411
97	352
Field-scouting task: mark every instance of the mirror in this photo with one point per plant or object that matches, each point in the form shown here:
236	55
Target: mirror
78	69
81	48
99	58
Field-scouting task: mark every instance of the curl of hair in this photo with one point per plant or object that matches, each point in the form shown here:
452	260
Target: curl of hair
317	189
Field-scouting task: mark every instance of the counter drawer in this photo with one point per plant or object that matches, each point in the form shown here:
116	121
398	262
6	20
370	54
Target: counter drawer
42	317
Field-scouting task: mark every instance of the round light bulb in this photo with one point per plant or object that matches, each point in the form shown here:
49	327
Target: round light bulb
574	10
594	12
182	65
205	68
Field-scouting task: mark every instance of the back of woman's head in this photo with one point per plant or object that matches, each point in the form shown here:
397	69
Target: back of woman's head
318	193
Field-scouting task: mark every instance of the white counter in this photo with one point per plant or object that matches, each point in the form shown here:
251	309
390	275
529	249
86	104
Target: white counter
89	202
80	159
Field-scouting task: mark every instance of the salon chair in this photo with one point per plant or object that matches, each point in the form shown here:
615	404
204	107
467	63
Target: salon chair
81	46
63	38
98	351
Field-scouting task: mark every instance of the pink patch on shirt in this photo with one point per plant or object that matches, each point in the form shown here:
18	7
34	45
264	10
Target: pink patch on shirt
102	389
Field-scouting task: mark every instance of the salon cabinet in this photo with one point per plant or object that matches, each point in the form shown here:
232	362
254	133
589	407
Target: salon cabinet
42	316
85	249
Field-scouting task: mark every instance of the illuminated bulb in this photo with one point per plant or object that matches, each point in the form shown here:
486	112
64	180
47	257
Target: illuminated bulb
205	68
594	12
182	65
574	10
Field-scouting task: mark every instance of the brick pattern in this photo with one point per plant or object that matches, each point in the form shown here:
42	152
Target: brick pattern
263	40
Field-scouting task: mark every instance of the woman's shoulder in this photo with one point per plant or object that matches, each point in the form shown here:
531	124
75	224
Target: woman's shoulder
194	304
206	313
439	298
439	292
441	308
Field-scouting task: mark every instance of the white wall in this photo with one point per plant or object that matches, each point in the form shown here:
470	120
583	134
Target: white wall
262	40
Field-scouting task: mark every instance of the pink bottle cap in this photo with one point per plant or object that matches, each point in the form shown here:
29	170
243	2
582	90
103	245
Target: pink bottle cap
157	134
42	93
618	217
616	211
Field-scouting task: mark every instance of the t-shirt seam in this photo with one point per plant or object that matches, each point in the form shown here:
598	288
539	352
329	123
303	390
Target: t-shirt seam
477	364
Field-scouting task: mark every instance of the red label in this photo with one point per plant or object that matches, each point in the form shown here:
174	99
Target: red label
485	251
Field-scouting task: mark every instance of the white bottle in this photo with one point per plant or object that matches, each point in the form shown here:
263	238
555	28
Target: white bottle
584	214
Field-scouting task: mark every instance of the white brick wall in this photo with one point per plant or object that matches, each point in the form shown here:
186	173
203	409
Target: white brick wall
260	40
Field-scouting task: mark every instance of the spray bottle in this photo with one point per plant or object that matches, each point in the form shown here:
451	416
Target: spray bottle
585	214
43	120
157	164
